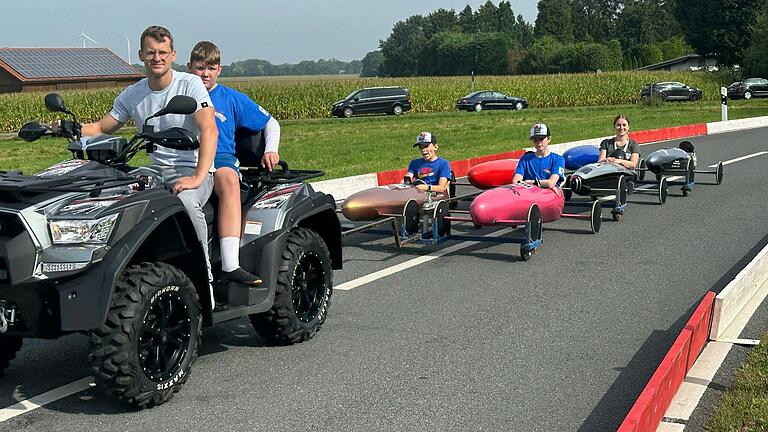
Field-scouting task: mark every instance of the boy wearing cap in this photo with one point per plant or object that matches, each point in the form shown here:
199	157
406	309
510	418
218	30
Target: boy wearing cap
542	166
433	171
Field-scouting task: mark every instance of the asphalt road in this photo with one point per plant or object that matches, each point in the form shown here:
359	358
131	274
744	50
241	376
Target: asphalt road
474	340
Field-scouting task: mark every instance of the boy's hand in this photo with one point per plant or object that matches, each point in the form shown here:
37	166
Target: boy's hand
269	160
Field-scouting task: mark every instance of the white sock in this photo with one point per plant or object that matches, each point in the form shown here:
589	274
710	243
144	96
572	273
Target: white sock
230	253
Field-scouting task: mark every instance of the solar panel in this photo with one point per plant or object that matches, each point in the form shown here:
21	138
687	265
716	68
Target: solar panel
65	62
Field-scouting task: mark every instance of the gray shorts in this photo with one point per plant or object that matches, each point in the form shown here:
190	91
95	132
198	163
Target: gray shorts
194	200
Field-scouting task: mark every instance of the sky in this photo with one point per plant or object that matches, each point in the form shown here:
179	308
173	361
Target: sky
279	31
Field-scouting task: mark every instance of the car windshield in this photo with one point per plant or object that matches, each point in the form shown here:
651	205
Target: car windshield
349	96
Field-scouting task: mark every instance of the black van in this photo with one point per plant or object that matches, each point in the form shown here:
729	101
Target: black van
388	100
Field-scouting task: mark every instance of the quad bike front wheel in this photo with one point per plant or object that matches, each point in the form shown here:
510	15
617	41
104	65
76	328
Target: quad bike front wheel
144	351
303	291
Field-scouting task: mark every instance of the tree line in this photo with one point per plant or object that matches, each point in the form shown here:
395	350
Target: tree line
258	67
574	36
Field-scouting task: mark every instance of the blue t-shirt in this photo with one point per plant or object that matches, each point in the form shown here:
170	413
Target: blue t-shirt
430	172
532	167
235	110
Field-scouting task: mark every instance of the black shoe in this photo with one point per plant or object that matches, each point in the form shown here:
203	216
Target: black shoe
240	276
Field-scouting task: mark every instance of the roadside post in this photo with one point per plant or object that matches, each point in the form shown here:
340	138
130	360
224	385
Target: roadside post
724	104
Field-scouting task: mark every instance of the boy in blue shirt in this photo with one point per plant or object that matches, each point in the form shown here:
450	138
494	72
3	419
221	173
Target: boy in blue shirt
434	172
542	166
234	110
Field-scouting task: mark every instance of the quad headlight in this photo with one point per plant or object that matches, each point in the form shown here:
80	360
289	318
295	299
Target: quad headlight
72	231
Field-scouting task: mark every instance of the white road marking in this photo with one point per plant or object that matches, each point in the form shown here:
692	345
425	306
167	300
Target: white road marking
741	158
354	283
36	402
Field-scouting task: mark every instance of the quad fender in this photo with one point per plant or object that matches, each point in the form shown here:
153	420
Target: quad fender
320	216
163	232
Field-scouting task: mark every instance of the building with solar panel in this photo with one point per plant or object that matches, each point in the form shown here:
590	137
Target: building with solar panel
48	69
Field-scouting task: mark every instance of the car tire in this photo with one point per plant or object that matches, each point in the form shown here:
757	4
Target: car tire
9	346
694	96
519	106
747	94
478	107
348	112
303	291
662	97
397	109
144	351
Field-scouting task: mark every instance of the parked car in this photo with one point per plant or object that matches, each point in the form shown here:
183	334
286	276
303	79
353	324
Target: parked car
387	100
748	88
487	99
671	90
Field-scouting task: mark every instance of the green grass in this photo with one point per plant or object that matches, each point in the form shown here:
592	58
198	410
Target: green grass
744	407
344	147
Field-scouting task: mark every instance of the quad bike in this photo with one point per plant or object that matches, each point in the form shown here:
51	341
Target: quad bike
96	246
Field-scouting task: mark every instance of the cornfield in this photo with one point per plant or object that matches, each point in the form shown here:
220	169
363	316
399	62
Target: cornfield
308	97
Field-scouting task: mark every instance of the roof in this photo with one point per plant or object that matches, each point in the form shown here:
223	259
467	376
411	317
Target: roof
669	62
45	64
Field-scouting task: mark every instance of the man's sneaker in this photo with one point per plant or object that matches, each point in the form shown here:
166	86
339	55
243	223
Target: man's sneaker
240	276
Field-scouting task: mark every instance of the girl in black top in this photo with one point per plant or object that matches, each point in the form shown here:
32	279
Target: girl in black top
620	149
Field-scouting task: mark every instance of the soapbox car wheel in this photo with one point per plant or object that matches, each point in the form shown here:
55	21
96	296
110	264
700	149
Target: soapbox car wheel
719	173
641	169
303	291
663	190
411	217
595	217
535	225
622	189
438	216
143	353
689	178
9	346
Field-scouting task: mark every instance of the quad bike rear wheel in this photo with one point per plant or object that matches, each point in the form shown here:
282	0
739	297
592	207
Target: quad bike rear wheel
303	291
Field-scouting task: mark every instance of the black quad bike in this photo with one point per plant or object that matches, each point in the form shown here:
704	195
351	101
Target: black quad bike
94	245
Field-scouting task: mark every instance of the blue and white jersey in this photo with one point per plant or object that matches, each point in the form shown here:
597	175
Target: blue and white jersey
235	110
532	167
430	172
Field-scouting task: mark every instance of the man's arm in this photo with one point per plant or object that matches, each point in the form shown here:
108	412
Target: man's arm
206	124
106	125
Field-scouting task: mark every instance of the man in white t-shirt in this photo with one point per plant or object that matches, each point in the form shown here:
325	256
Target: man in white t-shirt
187	172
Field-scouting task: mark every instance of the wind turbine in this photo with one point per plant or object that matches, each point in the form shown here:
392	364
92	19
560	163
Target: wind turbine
127	41
84	36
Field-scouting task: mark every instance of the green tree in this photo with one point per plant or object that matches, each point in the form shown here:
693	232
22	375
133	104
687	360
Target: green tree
467	20
718	27
486	17
441	20
756	54
371	63
594	20
402	48
554	19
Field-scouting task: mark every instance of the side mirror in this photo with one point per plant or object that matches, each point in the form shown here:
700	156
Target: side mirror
178	104
357	99
54	102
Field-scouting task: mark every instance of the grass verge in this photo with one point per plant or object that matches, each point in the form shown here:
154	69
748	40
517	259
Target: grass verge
344	147
744	406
